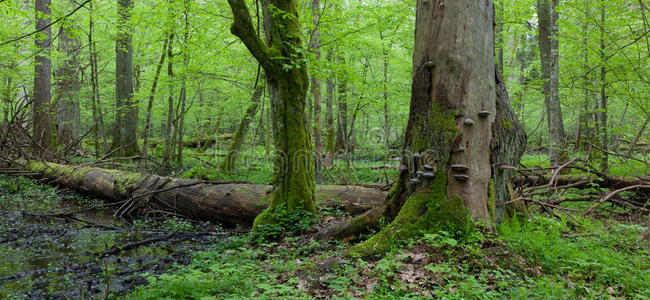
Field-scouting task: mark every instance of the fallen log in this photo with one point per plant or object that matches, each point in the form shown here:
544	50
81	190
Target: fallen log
227	203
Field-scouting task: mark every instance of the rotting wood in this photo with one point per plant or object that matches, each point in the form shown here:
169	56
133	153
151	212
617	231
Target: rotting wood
228	204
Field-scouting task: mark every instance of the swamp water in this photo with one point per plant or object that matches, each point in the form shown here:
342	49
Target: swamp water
74	257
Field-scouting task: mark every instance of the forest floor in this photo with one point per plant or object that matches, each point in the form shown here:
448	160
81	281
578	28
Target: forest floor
46	255
541	256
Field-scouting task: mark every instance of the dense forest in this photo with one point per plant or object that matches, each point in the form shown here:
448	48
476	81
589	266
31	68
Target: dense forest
188	149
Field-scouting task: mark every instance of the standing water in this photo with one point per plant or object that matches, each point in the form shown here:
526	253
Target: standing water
80	255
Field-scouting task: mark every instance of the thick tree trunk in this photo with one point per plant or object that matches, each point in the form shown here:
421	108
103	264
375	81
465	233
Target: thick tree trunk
68	110
549	53
228	164
126	108
293	176
450	126
229	204
508	145
43	135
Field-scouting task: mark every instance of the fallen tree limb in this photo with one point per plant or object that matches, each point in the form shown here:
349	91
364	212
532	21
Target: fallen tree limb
614	193
228	204
579	181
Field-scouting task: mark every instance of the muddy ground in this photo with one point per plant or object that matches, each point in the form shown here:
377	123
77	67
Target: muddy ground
46	254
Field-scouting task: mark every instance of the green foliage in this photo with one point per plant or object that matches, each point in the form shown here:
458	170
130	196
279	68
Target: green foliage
236	273
602	255
280	221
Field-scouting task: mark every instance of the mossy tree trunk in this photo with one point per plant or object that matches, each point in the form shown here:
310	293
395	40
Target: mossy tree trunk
228	164
453	84
281	56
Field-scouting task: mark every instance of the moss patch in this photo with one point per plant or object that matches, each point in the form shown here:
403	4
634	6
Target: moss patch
126	182
425	211
491	202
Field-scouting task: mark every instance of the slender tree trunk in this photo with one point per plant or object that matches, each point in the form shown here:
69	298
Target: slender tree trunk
385	54
293	178
315	86
43	135
68	84
549	53
126	112
583	117
147	123
186	61
231	158
170	101
342	102
329	115
602	103
98	119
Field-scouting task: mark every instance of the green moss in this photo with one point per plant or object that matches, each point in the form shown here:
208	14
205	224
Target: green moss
491	202
55	170
266	217
505	124
126	182
425	211
437	134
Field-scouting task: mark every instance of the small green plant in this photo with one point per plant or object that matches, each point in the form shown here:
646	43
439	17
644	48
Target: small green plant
287	223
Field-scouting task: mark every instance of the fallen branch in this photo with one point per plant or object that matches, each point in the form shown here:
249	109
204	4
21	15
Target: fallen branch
614	193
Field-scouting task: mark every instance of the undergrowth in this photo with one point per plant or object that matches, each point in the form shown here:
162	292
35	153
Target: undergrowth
539	258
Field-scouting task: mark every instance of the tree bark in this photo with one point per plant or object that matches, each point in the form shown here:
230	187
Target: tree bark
126	107
227	203
386	58
98	118
43	135
453	85
549	53
186	61
329	115
169	147
508	145
228	164
288	82
316	86
342	114
68	110
147	123
602	102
